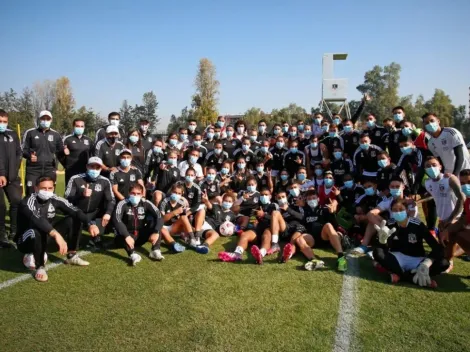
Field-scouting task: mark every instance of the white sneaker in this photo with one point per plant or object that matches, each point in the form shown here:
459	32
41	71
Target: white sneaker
358	250
76	260
156	254
193	243
29	262
135	258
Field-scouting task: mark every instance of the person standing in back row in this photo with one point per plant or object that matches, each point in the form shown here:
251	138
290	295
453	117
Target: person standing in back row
42	147
114	120
10	183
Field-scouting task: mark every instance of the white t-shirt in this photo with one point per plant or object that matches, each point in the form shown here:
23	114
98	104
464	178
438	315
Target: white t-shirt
184	165
443	196
386	205
443	147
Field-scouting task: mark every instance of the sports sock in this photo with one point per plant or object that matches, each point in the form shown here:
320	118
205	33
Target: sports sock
156	246
340	255
198	234
70	255
263	252
239	250
275	238
191	235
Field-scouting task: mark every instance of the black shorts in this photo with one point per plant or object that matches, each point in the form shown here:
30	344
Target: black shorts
315	230
291	228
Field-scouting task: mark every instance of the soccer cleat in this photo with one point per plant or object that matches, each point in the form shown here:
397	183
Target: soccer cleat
274	249
29	262
230	257
256	253
370	254
76	260
287	253
135	258
360	250
342	264
178	248
202	249
379	267
156	254
314	264
394	278
193	243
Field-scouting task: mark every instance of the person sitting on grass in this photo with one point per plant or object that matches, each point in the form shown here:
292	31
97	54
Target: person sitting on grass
137	221
125	176
38	220
401	250
320	224
247	201
261	234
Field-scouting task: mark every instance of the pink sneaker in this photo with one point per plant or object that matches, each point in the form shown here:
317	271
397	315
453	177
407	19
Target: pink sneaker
394	278
287	252
379	268
274	249
256	253
229	257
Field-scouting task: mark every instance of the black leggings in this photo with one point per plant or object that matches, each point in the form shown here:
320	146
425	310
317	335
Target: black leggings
35	241
77	227
431	215
390	262
14	193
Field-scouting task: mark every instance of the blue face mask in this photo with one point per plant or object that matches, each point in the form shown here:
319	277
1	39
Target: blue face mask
260	169
172	162
220	124
336	121
370	124
175	197
284	177
338	155
301	177
227	205
189	179
157	150
433	172
332	134
399	216
253	138
210	135
395	192
264	200
78	131
183	136
382	163
398	117
466	190
197	144
224	171
293	150
210	177
432	127
300	127
406	150
406	131
251	188
293	134
285	129
264	149
229	134
93	174
241	166
276	132
125	162
318	172
217	151
134	139
370	191
261	129
347	129
3	127
45	123
245	147
328	182
135	200
172	142
348	184
193	159
317	121
307	134
314	145
280	145
365	146
325	128
294	192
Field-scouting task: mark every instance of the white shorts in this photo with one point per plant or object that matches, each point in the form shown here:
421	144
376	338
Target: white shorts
201	207
406	262
206	226
168	228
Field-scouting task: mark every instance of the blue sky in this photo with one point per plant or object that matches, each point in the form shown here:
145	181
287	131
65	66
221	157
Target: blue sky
267	53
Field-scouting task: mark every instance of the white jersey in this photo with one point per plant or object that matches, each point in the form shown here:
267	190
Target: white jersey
184	165
443	196
443	147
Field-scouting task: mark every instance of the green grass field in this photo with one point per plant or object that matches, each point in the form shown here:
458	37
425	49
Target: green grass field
191	302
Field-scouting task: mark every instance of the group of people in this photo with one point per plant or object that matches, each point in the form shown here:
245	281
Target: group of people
323	184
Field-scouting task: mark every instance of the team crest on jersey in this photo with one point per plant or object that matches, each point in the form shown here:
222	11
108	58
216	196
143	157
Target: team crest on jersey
132	178
98	188
51	208
377	133
221	161
234	143
373	154
227	218
117	151
442	188
255	200
191	195
175	173
138	150
212	188
50	138
149	139
51	212
140	210
412	238
129	212
86	142
444	142
354	140
395	139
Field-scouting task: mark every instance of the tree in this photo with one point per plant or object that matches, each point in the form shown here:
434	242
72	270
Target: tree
205	100
43	96
92	120
180	121
461	121
382	83
441	104
127	114
291	114
62	109
150	105
253	116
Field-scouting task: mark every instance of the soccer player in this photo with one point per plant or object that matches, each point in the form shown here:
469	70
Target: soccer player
196	145
168	175
134	144
277	151
125	176
38	215
92	194
401	250
211	185
365	158
349	193
114	119
215	157
284	182
263	177
315	154
293	159
245	152
192	162
138	221
385	173
147	139
351	138
333	140
108	150
153	160
340	166
378	134
230	144
42	147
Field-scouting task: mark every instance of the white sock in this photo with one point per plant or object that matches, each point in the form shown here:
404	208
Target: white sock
239	250
275	238
263	252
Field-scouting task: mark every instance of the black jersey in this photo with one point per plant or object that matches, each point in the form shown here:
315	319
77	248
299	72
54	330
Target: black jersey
138	156
365	161
367	203
128	220
81	149
316	216
202	153
124	180
315	155
227	186
239	180
340	168
249	157
262	180
208	144
292	214
166	178
394	145
152	164
217	215
212	189
351	142
248	205
333	142
47	144
166	207
349	196
214	160
282	187
193	195
290	162
277	162
268	212
230	145
411	168
109	154
378	136
384	176
409	240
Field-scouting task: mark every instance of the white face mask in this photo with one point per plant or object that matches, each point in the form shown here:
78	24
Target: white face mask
45	195
144	128
114	123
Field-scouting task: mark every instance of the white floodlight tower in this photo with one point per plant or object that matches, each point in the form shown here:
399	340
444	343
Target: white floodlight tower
334	90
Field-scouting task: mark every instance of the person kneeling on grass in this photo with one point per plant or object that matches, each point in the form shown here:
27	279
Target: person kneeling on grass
401	250
137	221
261	233
37	214
286	223
320	223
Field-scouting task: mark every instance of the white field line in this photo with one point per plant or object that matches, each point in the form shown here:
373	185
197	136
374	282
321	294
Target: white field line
347	316
25	277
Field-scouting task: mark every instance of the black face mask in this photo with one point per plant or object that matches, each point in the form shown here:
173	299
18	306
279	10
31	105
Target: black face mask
112	140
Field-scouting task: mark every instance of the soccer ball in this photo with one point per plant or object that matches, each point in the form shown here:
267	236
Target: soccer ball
227	229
